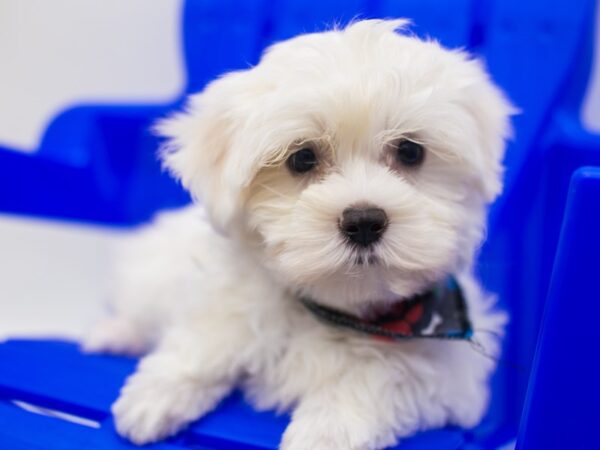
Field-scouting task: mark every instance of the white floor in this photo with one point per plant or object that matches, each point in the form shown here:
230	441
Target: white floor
54	277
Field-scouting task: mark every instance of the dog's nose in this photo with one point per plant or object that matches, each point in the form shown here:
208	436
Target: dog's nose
363	225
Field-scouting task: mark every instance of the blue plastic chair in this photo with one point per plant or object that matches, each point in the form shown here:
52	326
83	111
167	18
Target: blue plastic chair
543	250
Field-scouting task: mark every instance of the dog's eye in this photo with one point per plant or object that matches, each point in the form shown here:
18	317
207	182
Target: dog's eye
409	153
304	160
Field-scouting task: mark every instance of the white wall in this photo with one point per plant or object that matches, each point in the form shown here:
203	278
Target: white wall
54	53
590	112
55	277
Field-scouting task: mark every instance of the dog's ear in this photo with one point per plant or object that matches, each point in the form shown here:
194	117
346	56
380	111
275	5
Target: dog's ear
491	111
203	148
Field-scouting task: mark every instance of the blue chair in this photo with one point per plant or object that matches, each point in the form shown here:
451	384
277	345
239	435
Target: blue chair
97	164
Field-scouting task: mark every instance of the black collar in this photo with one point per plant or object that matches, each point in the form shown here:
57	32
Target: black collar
440	312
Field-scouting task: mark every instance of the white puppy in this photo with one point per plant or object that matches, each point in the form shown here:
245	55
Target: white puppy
352	168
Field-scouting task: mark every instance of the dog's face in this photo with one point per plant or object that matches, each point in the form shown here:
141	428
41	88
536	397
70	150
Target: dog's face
361	161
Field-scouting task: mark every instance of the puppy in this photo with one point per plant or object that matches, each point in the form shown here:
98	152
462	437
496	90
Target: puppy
349	171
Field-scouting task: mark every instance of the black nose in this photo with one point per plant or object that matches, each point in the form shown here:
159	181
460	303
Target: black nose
363	225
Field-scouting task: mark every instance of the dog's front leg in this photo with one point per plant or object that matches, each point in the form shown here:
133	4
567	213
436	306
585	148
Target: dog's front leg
182	380
355	411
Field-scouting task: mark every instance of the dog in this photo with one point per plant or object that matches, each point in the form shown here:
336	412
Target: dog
346	173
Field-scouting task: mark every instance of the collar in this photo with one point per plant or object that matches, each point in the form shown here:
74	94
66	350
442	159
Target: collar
440	312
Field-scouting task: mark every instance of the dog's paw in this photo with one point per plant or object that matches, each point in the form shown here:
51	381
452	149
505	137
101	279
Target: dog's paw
115	335
151	408
318	433
145	418
312	441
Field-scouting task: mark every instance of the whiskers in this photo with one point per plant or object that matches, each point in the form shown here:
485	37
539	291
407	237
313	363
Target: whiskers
366	259
358	260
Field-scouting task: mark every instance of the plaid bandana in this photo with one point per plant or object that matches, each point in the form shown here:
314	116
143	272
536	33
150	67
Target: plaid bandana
440	312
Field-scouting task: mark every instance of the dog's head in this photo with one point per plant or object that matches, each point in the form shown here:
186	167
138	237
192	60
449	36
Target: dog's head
360	160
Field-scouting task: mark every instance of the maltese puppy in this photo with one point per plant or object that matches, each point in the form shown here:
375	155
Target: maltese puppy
344	178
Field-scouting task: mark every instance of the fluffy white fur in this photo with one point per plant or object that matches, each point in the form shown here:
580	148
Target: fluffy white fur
213	292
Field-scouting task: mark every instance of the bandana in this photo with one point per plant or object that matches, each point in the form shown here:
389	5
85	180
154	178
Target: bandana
440	312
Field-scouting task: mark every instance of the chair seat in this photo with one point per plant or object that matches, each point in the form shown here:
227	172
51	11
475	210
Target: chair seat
56	376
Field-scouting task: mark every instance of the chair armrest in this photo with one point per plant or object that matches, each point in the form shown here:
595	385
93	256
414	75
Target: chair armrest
563	395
